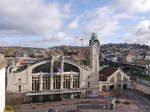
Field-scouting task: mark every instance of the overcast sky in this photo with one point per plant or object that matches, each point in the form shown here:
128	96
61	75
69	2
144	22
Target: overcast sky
45	23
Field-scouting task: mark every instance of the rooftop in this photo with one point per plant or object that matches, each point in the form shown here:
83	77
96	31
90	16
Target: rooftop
94	36
106	72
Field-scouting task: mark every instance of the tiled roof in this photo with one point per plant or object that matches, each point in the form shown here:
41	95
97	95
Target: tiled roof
106	72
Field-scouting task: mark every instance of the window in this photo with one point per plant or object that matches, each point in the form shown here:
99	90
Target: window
103	88
56	82
66	81
46	82
19	88
35	83
76	81
124	78
119	77
112	80
88	84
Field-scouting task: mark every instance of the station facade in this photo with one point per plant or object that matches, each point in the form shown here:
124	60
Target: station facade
62	78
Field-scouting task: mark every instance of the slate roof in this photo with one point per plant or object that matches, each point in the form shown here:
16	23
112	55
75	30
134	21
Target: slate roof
106	72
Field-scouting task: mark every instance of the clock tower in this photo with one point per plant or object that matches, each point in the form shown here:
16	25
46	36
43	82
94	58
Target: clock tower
94	61
94	52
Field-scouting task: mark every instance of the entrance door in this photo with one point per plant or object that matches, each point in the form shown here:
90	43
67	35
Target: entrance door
125	86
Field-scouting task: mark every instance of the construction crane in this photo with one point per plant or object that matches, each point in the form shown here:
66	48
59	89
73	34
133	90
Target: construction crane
82	39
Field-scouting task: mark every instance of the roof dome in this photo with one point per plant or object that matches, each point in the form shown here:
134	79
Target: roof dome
94	36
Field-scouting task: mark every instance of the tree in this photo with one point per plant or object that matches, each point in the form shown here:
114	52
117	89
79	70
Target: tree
10	52
85	62
32	55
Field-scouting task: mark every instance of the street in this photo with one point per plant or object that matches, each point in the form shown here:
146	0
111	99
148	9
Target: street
141	100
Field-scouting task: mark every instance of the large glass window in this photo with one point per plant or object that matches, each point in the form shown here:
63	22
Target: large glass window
76	81
119	77
42	68
66	81
46	82
35	83
56	83
112	80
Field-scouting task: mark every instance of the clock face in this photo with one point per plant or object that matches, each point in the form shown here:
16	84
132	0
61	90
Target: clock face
94	43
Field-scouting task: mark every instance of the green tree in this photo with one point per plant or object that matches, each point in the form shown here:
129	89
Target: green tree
10	52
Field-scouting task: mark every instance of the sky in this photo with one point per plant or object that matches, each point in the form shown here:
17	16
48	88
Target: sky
47	23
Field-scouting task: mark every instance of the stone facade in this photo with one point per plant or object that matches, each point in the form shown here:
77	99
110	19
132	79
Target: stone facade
2	86
83	78
60	75
118	79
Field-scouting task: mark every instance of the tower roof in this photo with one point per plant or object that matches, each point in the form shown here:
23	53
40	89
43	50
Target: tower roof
94	36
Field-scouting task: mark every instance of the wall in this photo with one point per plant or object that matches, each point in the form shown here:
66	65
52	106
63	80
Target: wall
140	87
13	81
2	91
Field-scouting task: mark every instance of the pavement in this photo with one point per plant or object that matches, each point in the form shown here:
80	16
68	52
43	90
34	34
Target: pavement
138	103
141	100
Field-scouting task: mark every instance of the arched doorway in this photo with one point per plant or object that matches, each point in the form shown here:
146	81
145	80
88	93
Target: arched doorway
125	86
112	87
103	88
119	86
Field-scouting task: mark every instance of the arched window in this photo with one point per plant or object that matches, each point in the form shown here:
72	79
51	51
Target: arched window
42	68
112	87
56	81
124	78
119	77
35	83
70	67
103	88
112	80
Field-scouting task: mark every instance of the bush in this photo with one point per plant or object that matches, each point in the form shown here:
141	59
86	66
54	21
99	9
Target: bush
9	108
117	101
126	103
16	98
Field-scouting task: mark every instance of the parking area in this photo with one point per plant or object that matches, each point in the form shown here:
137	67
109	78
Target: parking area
96	104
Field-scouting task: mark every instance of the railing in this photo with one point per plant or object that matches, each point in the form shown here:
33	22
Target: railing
144	82
74	90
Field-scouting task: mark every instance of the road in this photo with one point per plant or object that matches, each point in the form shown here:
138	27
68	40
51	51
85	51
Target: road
141	100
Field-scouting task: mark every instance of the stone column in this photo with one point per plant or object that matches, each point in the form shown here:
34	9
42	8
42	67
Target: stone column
62	80
51	82
71	80
72	96
115	86
121	86
62	65
51	65
100	88
107	87
62	75
41	82
29	81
